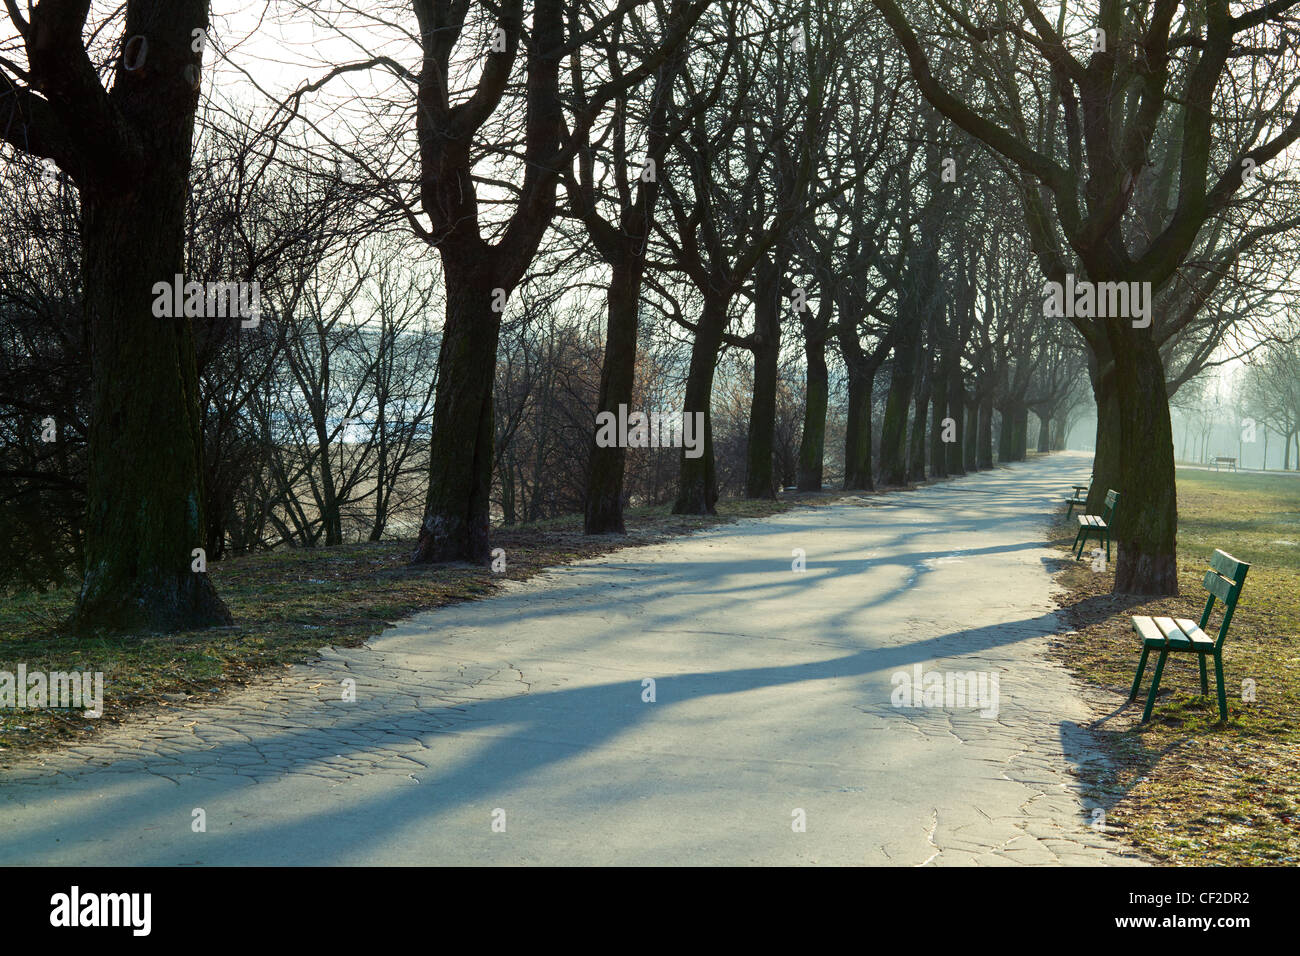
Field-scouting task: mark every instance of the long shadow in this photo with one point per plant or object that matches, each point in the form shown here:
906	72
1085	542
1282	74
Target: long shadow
581	719
591	715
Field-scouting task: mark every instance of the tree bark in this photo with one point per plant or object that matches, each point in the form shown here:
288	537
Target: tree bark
456	512
857	431
954	463
893	430
938	448
812	444
970	457
1147	518
698	489
145	505
924	388
1105	460
985	440
604	512
759	479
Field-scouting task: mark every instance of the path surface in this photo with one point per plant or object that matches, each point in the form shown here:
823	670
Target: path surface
772	696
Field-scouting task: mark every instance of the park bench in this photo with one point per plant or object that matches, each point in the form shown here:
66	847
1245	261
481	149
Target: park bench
1164	634
1230	462
1079	499
1097	526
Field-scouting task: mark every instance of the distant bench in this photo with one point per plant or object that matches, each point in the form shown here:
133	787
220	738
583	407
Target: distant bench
1097	526
1231	463
1079	499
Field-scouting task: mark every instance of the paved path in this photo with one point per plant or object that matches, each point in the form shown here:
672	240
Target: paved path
772	704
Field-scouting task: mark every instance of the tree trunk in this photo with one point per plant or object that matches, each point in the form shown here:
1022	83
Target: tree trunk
985	441
759	479
857	431
145	507
1058	433
954	460
698	488
1006	433
1020	449
1147	520
144	494
893	431
970	456
456	515
1044	434
604	511
1105	460
916	449
812	445
938	450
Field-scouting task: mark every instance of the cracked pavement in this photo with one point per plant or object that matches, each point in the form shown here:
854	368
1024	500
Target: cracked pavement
515	730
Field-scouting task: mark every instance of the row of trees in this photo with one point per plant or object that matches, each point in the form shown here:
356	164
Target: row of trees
870	196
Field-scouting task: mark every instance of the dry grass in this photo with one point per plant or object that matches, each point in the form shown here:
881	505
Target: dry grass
1184	788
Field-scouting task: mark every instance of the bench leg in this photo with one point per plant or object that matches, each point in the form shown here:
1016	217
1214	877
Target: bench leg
1205	684
1137	680
1075	546
1108	546
1155	686
1069	510
1083	545
1223	697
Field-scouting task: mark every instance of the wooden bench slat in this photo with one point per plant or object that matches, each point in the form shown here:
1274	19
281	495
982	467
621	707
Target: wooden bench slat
1146	627
1194	633
1219	586
1227	565
1173	634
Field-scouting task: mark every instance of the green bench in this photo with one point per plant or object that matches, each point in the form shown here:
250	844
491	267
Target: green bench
1079	499
1097	526
1164	634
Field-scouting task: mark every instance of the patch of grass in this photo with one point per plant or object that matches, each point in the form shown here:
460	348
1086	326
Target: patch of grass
287	605
1184	788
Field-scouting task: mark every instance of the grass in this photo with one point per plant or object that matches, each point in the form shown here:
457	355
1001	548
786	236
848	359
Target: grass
1183	788
288	604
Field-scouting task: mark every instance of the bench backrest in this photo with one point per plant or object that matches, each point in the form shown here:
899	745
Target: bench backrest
1108	511
1223	581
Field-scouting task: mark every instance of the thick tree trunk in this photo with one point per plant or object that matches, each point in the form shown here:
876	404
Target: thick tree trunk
893	430
604	511
456	516
920	416
1020	448
759	479
938	449
1058	433
1147	522
145	500
1044	434
697	491
954	460
1006	433
857	431
812	445
145	508
1105	460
